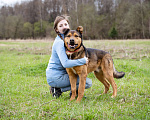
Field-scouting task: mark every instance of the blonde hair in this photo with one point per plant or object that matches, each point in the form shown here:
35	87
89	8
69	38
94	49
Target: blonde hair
57	20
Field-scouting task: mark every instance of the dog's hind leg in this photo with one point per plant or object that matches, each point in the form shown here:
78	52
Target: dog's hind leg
99	75
107	68
113	84
108	74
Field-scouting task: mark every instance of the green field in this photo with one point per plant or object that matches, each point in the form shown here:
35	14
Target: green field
24	92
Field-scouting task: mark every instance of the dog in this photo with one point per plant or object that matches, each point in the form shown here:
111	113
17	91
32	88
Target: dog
99	61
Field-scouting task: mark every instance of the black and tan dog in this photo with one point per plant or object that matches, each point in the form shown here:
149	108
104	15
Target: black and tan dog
99	61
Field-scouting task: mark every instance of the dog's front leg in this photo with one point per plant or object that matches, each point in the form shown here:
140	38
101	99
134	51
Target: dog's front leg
82	83
73	81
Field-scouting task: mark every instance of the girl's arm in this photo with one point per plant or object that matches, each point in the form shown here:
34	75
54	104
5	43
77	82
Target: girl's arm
67	63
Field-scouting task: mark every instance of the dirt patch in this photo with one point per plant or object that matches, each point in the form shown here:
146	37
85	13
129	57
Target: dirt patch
7	45
29	40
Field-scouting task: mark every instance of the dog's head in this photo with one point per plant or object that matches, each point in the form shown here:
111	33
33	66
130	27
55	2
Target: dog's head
73	39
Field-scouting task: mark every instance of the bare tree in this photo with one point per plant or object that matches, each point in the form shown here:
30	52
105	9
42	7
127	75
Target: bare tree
130	18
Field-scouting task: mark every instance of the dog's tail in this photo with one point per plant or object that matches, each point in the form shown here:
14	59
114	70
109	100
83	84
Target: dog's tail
117	74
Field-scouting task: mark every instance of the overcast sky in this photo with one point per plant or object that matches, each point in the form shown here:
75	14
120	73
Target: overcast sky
10	2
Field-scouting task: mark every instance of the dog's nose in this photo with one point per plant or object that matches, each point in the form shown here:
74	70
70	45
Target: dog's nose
72	41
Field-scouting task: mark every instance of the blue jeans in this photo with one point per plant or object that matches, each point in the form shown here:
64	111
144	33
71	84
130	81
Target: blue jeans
64	83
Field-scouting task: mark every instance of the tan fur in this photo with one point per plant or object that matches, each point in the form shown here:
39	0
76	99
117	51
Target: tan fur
99	61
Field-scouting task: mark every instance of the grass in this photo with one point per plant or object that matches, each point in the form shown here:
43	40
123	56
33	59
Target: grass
24	92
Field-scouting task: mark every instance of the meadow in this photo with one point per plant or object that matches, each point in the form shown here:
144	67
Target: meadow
24	92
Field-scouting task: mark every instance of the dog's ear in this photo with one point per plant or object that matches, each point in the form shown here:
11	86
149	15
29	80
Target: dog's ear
80	29
66	31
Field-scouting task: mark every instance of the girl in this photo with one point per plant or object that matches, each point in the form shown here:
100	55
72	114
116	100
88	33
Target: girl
56	74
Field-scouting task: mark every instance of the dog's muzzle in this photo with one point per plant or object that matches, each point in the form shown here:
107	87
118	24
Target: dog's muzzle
71	41
72	44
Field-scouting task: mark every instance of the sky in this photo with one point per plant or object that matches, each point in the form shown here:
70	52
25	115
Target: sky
9	2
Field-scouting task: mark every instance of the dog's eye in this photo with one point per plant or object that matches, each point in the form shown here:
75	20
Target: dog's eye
68	35
76	36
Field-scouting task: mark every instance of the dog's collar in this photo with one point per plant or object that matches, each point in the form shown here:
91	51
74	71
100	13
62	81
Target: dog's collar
78	49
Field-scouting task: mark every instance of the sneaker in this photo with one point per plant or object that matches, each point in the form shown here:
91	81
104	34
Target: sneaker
56	92
51	89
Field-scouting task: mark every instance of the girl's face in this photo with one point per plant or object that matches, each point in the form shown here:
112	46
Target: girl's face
63	24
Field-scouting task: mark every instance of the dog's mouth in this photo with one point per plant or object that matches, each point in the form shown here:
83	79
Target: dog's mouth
72	46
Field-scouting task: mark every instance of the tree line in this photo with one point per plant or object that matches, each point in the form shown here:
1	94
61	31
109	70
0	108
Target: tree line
101	19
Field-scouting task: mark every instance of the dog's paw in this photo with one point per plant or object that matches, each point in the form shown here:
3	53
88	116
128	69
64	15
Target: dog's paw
113	96
78	99
72	98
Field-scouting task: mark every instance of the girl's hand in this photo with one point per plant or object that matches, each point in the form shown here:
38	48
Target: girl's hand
86	60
